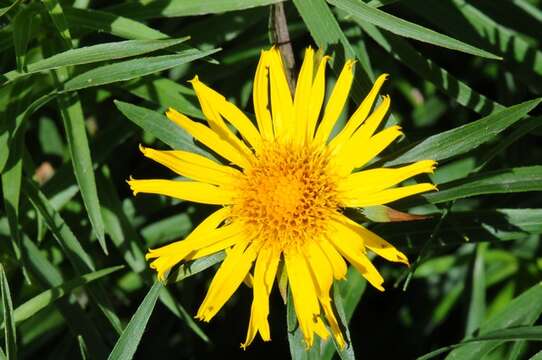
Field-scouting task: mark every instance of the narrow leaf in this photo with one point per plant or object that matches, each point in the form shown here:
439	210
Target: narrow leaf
7	306
95	53
160	126
477	301
101	21
47	275
523	310
467	137
74	125
466	227
197	266
48	297
532	333
59	20
429	70
22	24
4	10
511	180
131	69
405	28
75	253
174	8
128	342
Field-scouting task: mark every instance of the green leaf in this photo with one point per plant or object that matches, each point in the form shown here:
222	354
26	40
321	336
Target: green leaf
467	137
131	69
525	60
95	53
197	266
174	8
429	70
80	259
511	180
82	347
7	306
160	126
405	28
13	98
533	333
167	229
4	10
166	93
477	301
11	189
523	310
346	297
117	25
47	275
75	253
117	226
327	34
22	24
465	227
128	342
74	125
48	297
59	20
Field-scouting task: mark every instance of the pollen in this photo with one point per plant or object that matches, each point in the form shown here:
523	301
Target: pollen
287	195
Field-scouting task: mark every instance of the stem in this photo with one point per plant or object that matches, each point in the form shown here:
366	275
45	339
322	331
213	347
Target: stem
281	37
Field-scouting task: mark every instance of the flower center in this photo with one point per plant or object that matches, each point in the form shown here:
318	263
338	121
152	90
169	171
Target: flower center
287	195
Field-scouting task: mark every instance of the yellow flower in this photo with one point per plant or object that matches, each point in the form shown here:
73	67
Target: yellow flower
282	192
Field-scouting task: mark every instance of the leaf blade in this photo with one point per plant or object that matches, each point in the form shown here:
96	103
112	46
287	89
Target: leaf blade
467	137
7	306
407	29
128	342
520	179
131	69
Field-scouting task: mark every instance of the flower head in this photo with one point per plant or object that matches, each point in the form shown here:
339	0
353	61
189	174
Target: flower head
281	189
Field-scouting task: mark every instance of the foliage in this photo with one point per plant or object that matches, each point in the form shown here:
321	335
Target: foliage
84	82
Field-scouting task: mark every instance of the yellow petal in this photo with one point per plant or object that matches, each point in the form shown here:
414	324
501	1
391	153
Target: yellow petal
214	105
356	154
375	243
367	130
282	106
183	190
228	278
194	166
320	268
305	298
211	222
303	96
335	259
265	269
360	114
209	138
260	97
350	244
388	195
322	274
374	180
214	248
318	91
170	255
205	234
336	102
